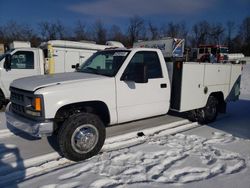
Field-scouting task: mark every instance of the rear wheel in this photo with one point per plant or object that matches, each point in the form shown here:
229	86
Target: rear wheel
207	114
81	136
211	109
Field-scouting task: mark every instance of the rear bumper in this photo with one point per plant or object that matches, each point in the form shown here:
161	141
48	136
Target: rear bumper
33	128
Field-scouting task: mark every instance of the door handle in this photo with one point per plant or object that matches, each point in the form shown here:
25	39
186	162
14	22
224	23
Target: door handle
163	85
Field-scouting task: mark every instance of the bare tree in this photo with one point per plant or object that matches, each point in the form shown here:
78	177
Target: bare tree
245	30
136	29
216	33
14	31
80	31
244	33
52	31
99	32
1	34
200	33
175	30
172	30
60	30
115	33
153	31
230	27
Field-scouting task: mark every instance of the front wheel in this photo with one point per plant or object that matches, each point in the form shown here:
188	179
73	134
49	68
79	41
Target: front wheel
2	100
81	136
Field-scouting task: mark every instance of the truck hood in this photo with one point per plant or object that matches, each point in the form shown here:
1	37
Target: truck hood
33	83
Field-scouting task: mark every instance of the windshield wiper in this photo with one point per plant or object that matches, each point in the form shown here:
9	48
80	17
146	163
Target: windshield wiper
89	70
93	71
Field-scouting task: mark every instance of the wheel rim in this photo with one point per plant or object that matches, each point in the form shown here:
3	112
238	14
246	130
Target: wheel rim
84	138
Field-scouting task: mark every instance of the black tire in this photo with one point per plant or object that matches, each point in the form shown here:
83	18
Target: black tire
192	115
2	100
209	113
1	105
81	136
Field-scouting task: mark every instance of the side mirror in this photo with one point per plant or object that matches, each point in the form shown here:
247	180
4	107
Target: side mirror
138	74
76	66
7	63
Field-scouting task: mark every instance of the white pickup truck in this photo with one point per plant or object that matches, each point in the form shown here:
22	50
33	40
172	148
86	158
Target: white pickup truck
113	87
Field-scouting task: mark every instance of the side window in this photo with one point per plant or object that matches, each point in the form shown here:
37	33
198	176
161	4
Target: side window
152	61
22	60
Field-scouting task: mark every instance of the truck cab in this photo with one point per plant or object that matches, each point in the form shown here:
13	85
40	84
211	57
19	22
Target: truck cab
18	63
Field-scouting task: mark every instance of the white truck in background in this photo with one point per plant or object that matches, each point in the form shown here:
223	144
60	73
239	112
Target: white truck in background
113	87
55	56
236	58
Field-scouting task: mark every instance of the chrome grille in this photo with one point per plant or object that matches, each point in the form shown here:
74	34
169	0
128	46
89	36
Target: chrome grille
18	100
16	97
21	101
18	108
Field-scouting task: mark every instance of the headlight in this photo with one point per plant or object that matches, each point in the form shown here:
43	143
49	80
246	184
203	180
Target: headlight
33	113
35	108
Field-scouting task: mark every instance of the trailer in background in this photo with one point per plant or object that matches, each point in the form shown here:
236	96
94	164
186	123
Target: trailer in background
60	55
170	47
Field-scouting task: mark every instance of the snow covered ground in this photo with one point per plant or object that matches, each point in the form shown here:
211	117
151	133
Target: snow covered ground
156	161
214	155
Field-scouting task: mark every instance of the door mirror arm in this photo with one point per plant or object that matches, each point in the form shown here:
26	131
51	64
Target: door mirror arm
7	62
76	66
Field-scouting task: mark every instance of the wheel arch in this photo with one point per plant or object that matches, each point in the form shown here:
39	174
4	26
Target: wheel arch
96	107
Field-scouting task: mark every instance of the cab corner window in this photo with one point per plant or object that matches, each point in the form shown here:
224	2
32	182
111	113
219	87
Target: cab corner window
22	60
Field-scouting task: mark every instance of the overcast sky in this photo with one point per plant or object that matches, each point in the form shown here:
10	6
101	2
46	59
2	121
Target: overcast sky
118	11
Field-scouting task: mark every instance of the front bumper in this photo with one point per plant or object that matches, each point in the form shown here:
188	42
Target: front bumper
33	128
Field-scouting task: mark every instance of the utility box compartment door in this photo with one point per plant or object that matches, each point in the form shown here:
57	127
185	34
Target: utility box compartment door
217	74
187	86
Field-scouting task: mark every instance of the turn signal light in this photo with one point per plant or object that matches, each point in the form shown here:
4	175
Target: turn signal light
38	106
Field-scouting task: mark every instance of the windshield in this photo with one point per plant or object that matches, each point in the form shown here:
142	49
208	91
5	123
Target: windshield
105	63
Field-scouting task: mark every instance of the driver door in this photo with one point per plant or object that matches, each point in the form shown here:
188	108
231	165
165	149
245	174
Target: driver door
141	100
